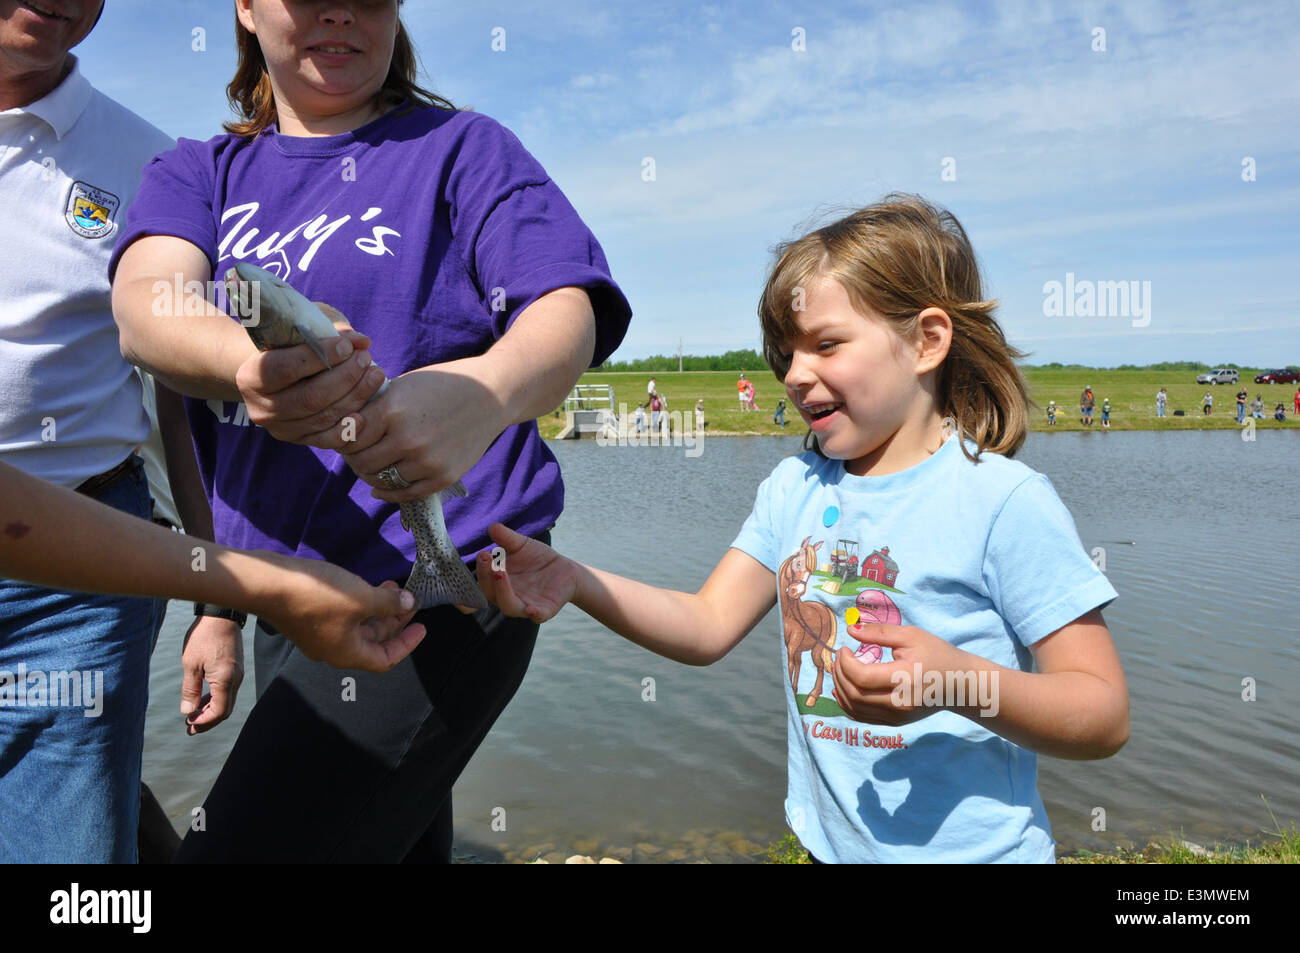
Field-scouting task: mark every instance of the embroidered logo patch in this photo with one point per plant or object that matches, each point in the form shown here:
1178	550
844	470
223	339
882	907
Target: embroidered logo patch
90	211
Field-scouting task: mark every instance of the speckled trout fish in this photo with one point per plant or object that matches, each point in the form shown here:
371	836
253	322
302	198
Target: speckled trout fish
281	317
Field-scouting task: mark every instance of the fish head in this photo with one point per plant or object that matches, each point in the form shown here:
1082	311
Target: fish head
274	313
876	607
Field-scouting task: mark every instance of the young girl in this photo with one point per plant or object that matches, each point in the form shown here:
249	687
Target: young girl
966	636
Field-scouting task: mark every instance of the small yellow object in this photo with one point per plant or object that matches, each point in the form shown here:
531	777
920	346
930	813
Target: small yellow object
851	615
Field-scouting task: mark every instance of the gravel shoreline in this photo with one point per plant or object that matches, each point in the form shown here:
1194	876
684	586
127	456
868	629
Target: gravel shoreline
693	847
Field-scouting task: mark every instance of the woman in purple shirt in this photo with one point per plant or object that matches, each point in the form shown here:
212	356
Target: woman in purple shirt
472	282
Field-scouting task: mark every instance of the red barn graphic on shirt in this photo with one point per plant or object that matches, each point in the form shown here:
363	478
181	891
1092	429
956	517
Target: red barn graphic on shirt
878	567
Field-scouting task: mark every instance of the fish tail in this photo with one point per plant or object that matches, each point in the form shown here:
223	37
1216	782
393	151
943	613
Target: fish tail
444	583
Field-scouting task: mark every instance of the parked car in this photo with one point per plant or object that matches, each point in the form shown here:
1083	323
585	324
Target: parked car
1283	375
1220	375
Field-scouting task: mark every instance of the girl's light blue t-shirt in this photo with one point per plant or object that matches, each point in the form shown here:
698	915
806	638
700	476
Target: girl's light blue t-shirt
983	555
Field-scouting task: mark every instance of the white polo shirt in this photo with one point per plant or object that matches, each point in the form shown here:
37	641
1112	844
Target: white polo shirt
70	164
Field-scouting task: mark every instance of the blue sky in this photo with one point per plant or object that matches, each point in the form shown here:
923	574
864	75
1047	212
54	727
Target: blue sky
1122	164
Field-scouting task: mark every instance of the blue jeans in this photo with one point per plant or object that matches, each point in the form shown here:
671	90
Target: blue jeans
1241	413
70	754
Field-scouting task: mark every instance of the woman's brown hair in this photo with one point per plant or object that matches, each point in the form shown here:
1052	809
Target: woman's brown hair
899	257
251	97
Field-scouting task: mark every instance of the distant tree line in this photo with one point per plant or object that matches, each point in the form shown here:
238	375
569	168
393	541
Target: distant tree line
751	360
1162	366
748	360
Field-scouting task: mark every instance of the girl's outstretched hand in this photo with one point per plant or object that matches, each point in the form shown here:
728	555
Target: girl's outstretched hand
888	693
535	582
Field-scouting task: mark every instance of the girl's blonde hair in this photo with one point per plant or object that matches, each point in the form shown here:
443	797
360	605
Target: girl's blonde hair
251	97
899	257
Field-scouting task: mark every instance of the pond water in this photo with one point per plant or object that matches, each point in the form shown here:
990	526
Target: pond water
1199	536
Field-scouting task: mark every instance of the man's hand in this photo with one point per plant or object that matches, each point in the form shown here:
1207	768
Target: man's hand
336	617
214	653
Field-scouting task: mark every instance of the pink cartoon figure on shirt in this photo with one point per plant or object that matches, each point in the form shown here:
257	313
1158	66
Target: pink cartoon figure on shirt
873	607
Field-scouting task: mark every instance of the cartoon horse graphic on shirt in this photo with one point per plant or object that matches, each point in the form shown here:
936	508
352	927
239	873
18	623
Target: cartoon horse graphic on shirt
809	626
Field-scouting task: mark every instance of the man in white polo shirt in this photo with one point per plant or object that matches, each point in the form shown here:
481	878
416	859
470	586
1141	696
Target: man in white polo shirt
71	413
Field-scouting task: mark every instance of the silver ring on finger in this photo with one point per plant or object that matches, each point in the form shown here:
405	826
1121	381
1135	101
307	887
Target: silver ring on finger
392	479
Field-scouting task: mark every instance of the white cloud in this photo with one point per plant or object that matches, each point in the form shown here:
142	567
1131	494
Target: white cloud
594	81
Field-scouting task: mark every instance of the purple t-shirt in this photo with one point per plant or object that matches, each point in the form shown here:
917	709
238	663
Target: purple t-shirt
431	231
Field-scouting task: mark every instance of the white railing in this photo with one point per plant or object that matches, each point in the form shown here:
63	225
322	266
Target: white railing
590	397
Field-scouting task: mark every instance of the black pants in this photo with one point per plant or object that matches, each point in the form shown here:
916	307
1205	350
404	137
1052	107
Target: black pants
338	766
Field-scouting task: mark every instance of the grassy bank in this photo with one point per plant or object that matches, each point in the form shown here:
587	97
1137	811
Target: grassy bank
1132	399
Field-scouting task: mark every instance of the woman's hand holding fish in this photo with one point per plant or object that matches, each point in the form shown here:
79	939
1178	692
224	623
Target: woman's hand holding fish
537	582
288	392
433	424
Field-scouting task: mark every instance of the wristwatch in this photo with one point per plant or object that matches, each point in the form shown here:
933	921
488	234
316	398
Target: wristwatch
234	615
